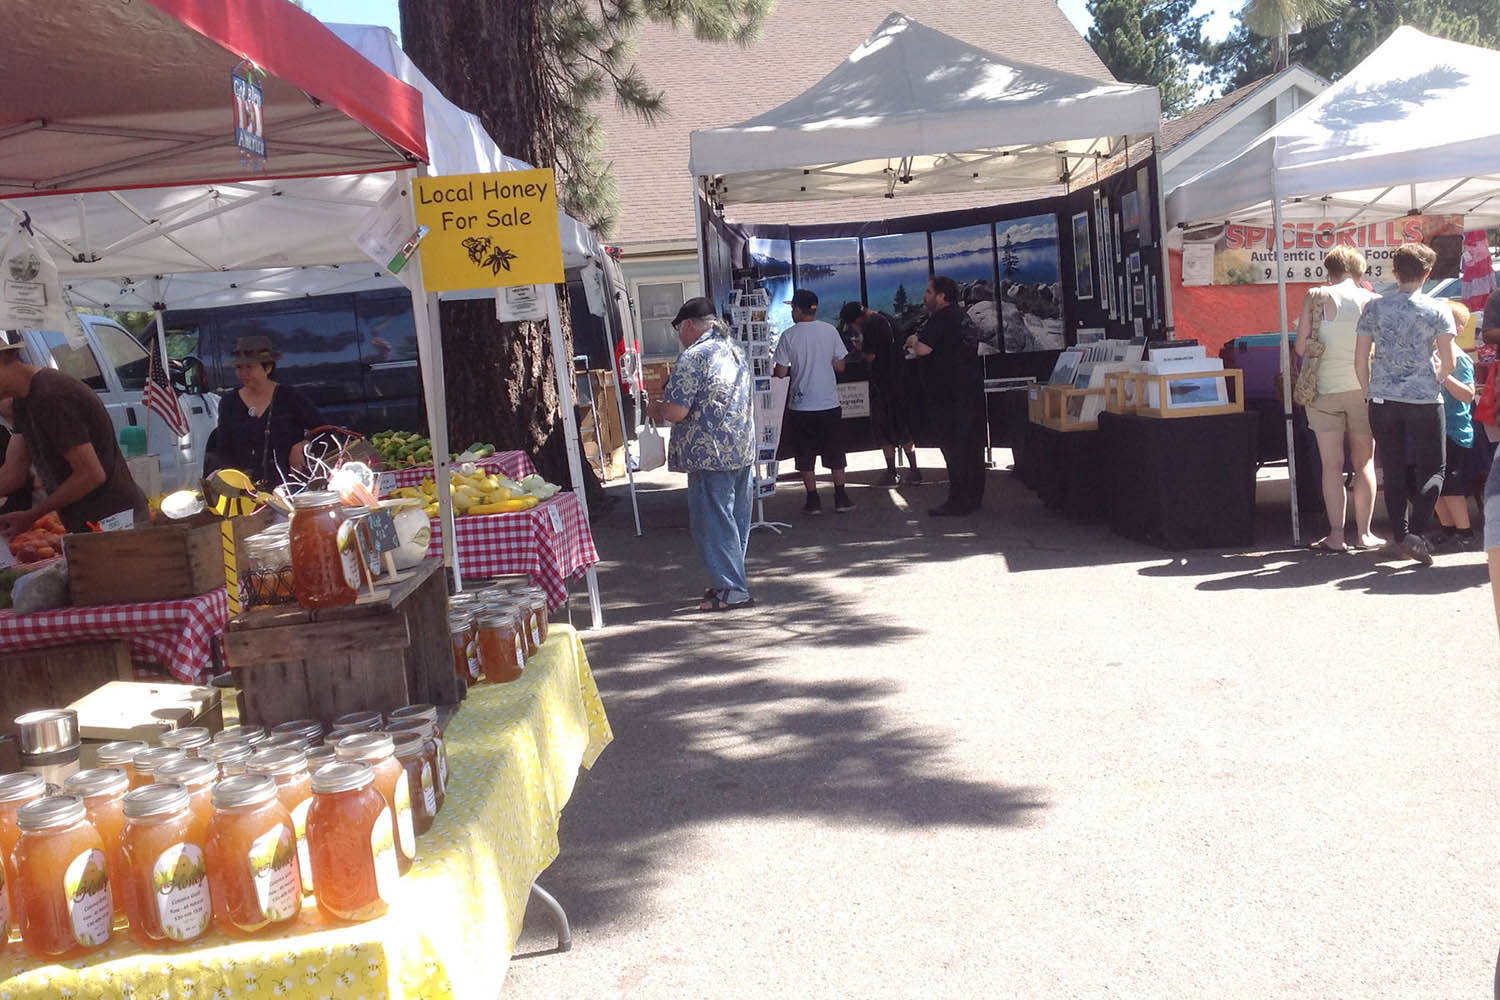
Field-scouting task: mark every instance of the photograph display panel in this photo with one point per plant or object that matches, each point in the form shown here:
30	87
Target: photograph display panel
967	255
896	273
774	259
830	269
1031	292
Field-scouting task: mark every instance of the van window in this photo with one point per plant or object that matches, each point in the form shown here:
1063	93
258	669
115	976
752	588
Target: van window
125	355
75	361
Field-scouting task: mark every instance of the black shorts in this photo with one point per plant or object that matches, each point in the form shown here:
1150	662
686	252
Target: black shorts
811	433
1453	469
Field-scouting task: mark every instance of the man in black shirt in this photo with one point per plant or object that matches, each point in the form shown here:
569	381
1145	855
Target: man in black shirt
888	423
957	388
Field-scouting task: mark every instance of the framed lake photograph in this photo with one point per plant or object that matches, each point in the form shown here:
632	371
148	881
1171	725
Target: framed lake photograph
774	260
896	273
967	255
1083	258
1031	301
1130	208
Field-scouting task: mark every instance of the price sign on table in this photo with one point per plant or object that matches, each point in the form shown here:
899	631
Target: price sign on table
386	483
383	531
556	518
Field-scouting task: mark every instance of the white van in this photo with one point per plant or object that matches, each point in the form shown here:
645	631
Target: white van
114	364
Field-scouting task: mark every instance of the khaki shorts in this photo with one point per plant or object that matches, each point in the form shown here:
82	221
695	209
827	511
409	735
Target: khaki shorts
1345	412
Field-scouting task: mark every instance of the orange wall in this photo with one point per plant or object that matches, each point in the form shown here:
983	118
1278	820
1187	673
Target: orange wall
1216	314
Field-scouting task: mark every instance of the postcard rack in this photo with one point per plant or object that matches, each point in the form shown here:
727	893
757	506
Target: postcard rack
1129	392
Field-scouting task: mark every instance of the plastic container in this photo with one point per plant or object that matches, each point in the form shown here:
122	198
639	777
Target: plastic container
254	873
166	871
198	777
378	750
102	790
350	843
325	559
287	768
62	899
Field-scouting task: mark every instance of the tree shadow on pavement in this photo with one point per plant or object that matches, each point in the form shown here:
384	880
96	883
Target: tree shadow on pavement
1295	569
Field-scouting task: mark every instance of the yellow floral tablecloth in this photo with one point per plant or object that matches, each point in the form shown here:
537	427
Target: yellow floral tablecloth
514	751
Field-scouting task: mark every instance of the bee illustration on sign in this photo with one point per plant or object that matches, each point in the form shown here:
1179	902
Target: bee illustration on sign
486	254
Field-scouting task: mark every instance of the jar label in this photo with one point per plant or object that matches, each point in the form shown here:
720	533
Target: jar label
179	881
536	629
299	828
273	869
349	554
443	764
429	793
520	652
408	836
382	846
475	665
4	906
90	908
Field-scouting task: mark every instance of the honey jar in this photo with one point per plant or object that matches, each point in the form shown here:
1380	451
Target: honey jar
245	734
429	714
501	649
229	756
61	892
378	750
358	722
416	754
535	601
145	763
311	729
192	739
198	777
16	790
325	557
350	842
254	874
120	754
287	768
102	790
166	871
318	756
463	641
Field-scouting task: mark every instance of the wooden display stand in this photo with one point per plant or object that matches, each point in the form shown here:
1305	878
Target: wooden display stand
1126	392
604	448
1052	407
378	655
56	675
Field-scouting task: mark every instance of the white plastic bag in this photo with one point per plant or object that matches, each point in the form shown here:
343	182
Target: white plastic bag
31	295
652	448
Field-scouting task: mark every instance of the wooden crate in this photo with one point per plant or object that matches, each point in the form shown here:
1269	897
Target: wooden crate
54	676
296	664
1055	402
162	563
143	710
1120	392
1234	381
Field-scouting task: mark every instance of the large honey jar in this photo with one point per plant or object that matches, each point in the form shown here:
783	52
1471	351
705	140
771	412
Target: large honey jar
378	750
102	790
61	893
166	870
287	767
325	557
253	871
350	841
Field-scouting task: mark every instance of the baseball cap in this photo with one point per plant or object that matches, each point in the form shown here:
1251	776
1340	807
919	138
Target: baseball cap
699	308
851	312
804	298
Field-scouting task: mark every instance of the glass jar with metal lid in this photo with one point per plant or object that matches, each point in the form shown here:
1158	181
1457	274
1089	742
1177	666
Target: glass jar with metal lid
318	756
502	649
463	643
325	558
312	729
350	842
147	761
429	714
16	790
61	892
535	600
378	750
416	754
296	741
198	777
230	755
268	566
253	868
363	722
166	875
192	739
102	790
287	767
249	734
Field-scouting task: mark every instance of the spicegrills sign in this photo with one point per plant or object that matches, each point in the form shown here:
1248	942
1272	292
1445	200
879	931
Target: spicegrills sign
489	230
1236	254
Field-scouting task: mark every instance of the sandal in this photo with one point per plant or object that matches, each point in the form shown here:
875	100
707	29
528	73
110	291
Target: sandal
714	601
1322	547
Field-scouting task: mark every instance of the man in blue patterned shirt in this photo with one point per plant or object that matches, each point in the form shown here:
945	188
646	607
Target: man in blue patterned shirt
713	441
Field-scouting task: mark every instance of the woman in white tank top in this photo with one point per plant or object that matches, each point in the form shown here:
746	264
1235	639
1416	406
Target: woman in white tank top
1341	410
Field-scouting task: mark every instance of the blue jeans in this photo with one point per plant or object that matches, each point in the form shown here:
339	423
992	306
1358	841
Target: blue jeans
719	518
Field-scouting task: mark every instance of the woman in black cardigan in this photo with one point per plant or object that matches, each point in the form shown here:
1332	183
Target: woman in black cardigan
261	425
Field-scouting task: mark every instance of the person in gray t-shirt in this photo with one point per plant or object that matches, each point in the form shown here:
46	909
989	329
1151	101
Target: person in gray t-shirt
1411	335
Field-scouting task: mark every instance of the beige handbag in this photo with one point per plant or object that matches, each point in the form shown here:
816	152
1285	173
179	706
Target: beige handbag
1305	389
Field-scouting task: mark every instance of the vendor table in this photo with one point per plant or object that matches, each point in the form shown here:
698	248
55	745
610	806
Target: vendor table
1065	468
515	464
1181	483
171	635
551	543
514	751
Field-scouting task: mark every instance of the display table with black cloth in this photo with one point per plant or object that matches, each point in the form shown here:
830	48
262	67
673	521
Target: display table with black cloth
1066	469
1181	483
514	751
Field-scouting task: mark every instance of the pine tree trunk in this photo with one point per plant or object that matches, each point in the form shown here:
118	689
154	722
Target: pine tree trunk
485	55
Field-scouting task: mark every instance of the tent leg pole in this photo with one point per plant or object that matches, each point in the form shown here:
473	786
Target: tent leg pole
1286	362
563	366
698	199
424	309
1161	241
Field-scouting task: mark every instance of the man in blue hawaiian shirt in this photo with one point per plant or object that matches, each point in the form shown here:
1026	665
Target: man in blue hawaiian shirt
708	399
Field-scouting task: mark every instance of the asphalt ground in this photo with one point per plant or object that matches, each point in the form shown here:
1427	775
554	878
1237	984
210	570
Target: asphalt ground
1015	756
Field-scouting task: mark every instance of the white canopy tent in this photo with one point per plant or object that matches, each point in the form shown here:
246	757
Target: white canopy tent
1406	132
915	107
150	104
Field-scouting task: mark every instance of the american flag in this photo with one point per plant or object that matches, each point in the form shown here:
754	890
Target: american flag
159	397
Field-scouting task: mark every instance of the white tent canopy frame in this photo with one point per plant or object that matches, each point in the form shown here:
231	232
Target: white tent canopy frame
296	225
1402	133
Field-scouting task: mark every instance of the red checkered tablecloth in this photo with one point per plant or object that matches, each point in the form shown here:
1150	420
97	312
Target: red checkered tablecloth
175	635
515	464
527	541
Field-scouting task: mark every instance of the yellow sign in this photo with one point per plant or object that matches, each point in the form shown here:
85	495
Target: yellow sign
489	230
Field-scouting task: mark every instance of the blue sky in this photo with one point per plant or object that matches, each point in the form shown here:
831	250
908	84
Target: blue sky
1221	13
